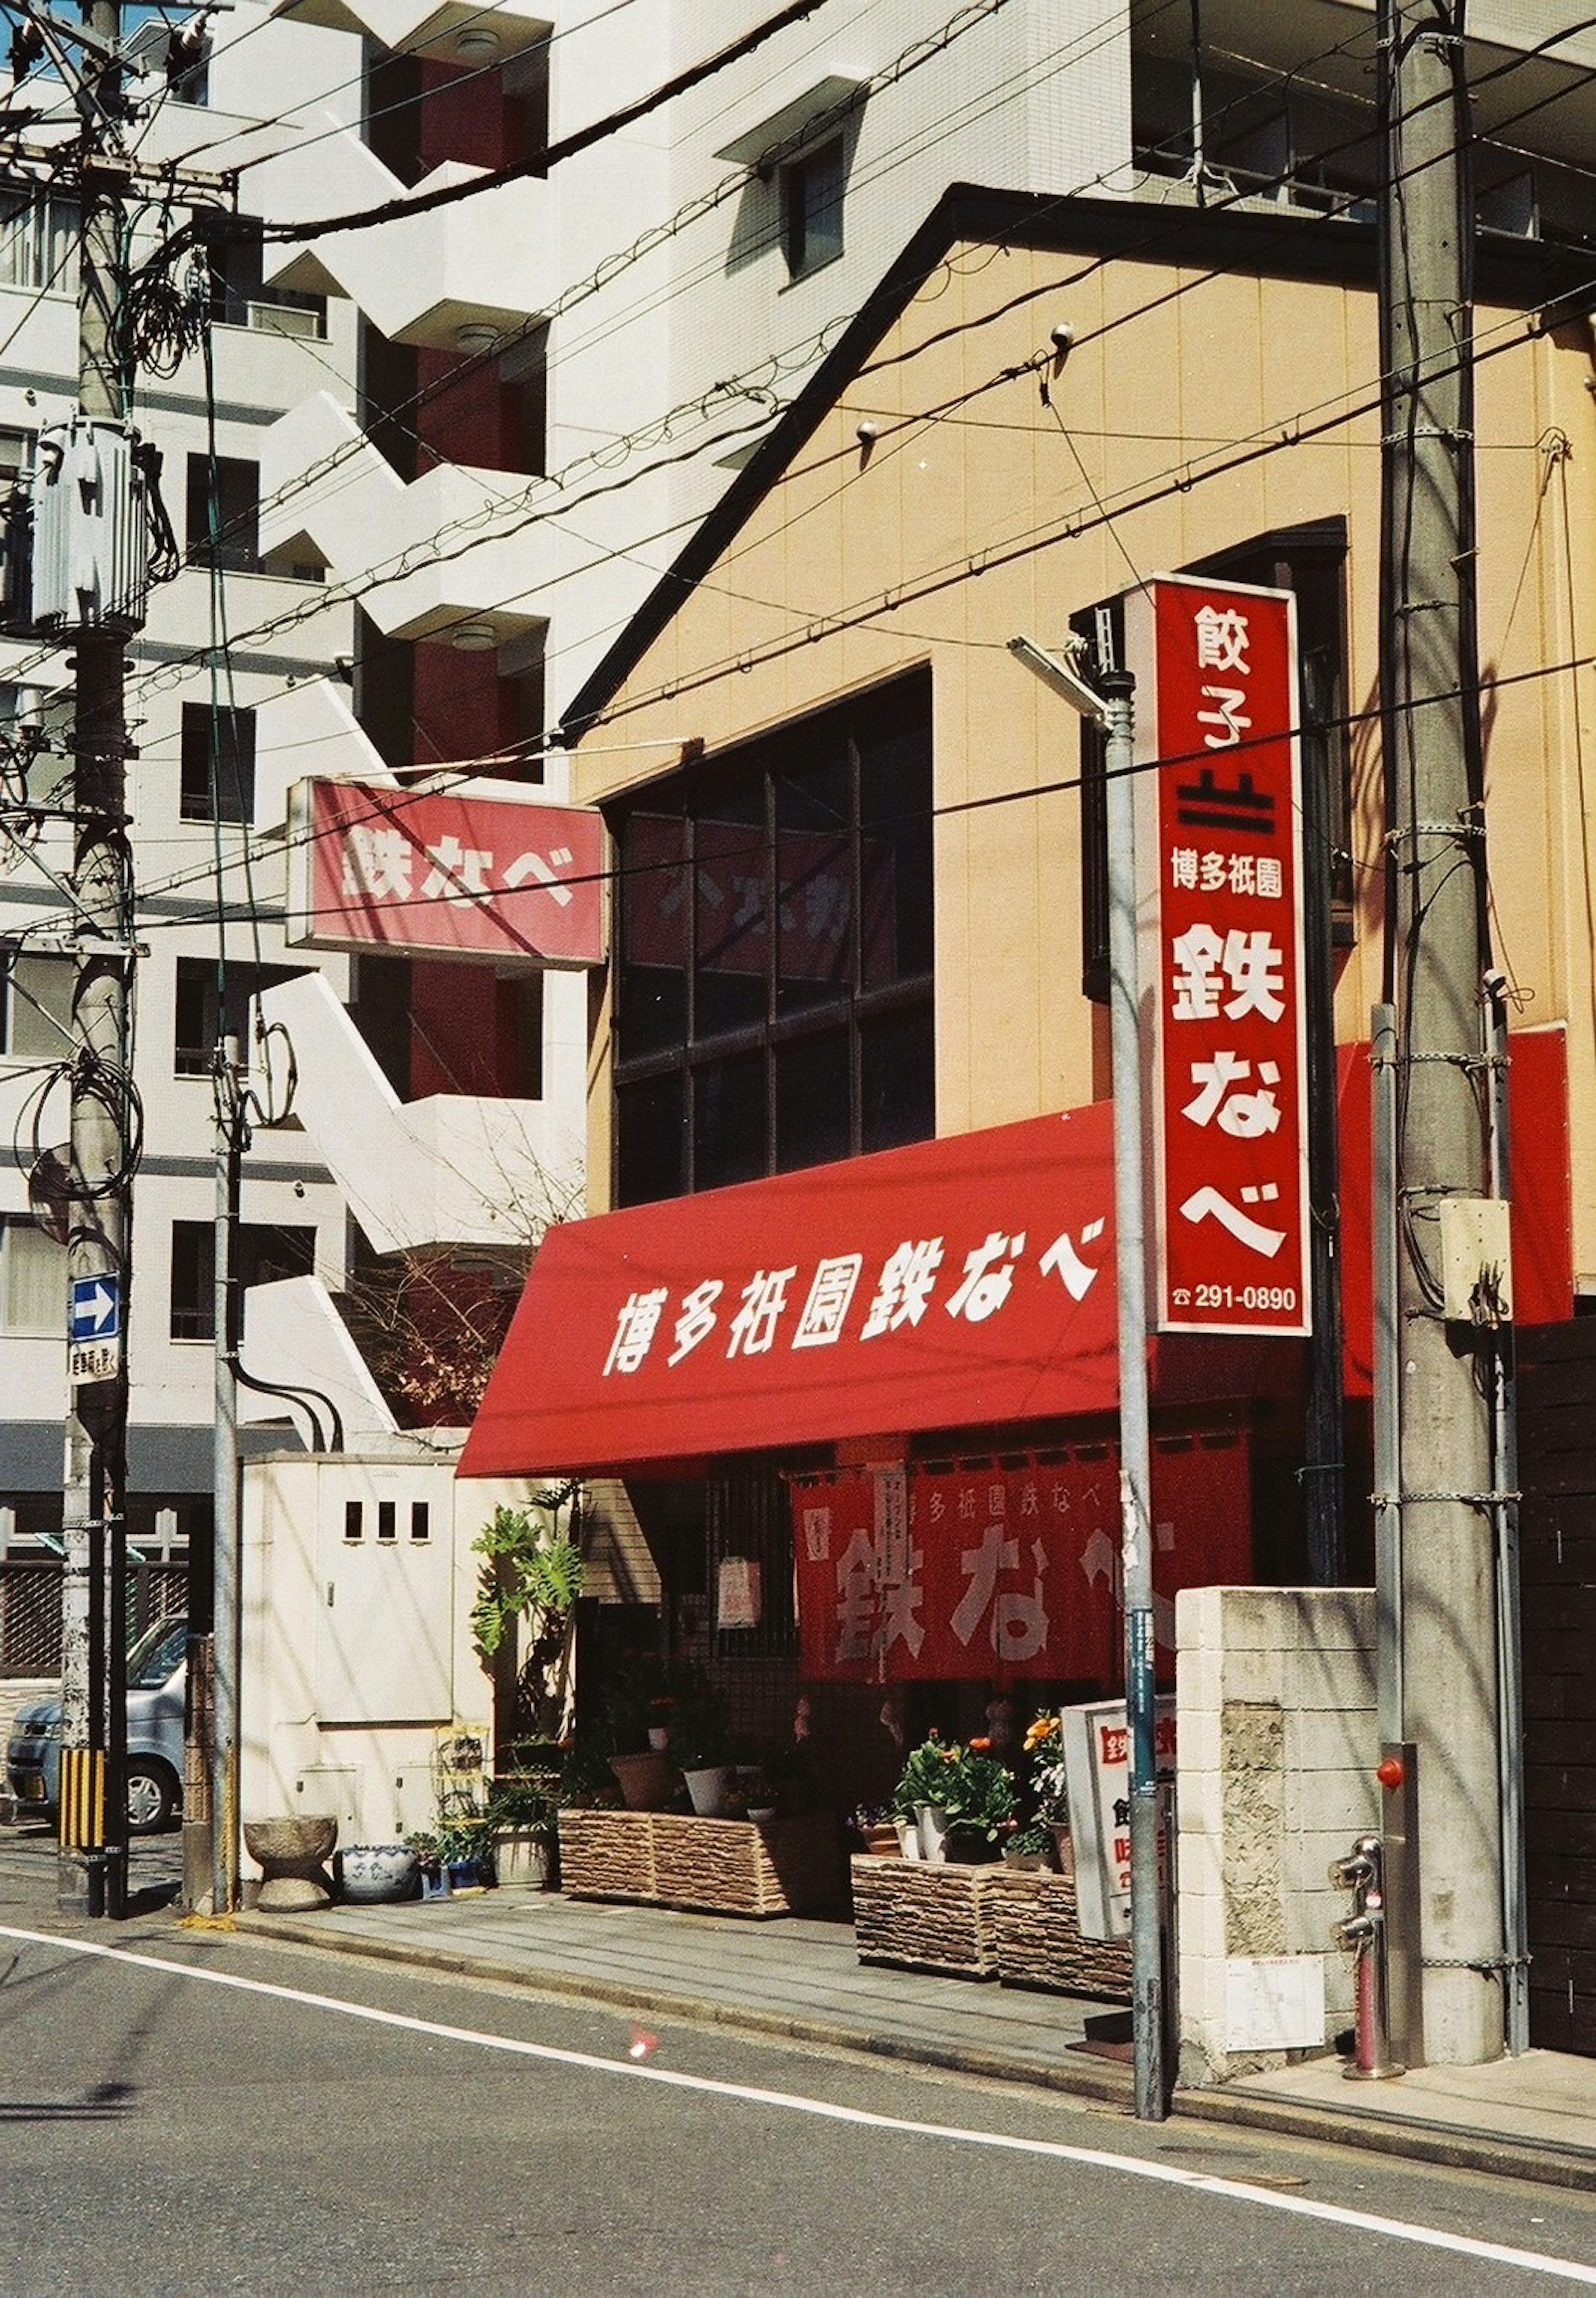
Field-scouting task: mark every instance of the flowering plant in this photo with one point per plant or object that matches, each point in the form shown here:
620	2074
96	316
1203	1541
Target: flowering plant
967	1783
1044	1745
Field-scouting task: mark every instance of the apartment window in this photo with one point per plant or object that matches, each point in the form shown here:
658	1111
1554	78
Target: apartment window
387	1520
240	297
812	208
38	244
421	1520
188	69
36	1007
774	982
354	1520
266	1253
203	1014
223	507
217	776
33	1279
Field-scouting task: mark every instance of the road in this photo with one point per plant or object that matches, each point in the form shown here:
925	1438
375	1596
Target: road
192	2110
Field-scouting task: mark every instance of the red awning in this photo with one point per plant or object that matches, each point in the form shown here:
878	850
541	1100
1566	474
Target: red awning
963	1280
958	1283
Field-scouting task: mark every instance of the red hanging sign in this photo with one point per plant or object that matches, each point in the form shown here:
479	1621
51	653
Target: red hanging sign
992	1572
466	876
1218	851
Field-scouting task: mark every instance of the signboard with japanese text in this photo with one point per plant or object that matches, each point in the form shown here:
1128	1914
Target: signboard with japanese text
503	881
999	1571
1218	858
1097	1776
969	1280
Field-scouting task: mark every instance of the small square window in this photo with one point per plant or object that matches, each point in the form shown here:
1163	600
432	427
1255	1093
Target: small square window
812	209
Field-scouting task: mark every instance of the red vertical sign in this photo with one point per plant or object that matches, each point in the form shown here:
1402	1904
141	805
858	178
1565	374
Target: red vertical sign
1218	838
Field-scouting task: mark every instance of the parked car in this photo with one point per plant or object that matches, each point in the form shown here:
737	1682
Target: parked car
157	1677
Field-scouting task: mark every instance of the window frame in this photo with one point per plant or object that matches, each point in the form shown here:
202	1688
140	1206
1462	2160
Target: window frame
227	799
702	1062
802	215
236	548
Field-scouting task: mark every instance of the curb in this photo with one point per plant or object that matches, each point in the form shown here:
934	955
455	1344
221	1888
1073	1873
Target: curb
1103	2082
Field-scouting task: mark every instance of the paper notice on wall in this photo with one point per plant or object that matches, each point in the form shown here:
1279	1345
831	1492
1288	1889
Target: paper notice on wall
738	1592
1274	2003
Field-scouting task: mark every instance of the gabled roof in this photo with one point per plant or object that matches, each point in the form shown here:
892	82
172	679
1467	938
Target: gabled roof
1283	244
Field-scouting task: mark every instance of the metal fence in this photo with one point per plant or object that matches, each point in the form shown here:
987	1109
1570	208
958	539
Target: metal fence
30	1610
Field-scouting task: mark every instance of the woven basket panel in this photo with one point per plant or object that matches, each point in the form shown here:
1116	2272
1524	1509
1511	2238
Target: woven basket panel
928	1917
607	1855
1040	1942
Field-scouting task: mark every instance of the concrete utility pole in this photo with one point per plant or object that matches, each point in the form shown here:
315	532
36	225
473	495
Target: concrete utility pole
93	1866
1445	1499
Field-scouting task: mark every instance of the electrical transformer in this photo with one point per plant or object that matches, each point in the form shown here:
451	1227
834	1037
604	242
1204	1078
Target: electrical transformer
91	529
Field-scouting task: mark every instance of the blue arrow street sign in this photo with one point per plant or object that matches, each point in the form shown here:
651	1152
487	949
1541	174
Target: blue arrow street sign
96	1308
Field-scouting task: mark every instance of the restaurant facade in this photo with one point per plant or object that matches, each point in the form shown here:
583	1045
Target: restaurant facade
843	1313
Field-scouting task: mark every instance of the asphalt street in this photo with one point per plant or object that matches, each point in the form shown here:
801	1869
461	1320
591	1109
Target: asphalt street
192	2110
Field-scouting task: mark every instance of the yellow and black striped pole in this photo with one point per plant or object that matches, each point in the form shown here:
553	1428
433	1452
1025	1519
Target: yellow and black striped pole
82	1798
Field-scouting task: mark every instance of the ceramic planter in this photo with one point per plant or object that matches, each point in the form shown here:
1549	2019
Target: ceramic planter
932	1822
373	1873
706	1788
521	1858
647	1781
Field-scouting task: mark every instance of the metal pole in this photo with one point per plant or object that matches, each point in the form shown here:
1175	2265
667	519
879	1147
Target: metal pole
99	1209
1117	689
224	1708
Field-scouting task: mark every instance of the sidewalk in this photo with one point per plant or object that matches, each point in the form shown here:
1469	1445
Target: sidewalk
1533	2117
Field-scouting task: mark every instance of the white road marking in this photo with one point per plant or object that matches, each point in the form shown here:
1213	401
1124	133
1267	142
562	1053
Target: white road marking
1166	2174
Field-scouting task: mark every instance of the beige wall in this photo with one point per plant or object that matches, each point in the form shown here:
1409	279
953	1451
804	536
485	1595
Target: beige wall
855	567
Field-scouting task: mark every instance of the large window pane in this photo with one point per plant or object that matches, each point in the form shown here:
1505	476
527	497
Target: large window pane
729	1133
895	850
651	1131
653	900
813	1100
897	1079
730	909
815	873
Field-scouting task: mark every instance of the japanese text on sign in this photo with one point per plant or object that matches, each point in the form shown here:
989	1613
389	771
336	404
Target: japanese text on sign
1218	855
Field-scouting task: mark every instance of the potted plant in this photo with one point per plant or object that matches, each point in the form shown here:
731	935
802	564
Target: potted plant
700	1751
1029	1847
465	1848
957	1789
1044	1747
522	1814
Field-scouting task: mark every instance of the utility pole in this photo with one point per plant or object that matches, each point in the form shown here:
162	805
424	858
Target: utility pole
1445	1503
93	1863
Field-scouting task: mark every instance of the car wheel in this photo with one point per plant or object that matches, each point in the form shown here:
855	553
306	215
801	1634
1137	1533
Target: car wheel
151	1795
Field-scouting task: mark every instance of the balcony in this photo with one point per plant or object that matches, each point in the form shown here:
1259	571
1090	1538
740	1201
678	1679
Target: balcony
452	1169
482	263
458	33
360	516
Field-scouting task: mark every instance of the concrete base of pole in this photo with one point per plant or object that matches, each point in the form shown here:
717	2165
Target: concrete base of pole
197	1893
80	1882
